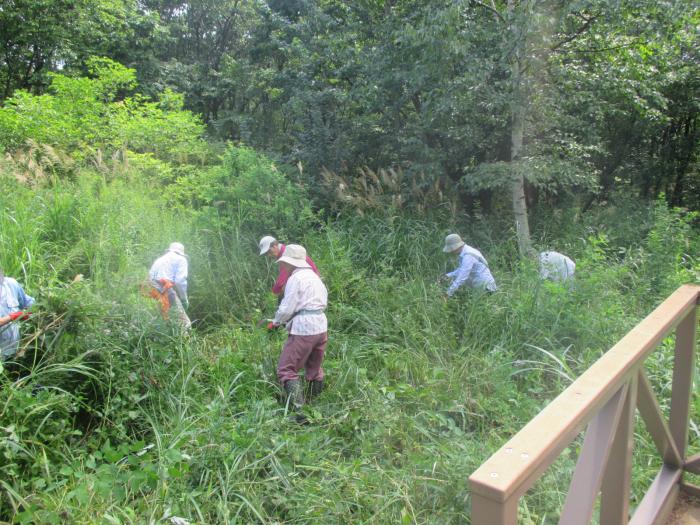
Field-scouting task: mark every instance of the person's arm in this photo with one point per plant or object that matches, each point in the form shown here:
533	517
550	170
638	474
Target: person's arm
288	306
282	278
180	281
13	316
24	300
452	274
461	274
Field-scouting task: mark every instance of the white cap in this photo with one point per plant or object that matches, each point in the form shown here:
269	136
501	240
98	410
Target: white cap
295	255
178	248
265	244
452	242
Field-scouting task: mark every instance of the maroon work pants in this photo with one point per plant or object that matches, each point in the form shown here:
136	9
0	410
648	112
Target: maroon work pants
302	351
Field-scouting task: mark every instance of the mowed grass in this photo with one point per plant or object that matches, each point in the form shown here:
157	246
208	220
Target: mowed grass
112	417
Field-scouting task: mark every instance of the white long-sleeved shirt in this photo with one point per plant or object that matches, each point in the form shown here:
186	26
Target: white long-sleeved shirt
556	267
472	270
305	298
172	267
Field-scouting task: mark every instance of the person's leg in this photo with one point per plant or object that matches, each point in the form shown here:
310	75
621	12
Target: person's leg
176	305
313	368
313	363
295	353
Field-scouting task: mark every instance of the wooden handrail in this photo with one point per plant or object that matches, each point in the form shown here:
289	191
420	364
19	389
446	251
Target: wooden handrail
515	467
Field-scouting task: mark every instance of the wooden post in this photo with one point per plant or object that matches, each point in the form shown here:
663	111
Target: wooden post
595	453
683	368
486	511
617	480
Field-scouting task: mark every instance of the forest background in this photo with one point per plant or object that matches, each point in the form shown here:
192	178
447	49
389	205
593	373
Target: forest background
365	130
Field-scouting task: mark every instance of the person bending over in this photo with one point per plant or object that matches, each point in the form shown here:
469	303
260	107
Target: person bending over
273	248
473	270
13	303
168	278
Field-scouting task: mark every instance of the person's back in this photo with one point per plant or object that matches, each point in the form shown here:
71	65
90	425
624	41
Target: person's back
170	266
481	276
556	267
308	295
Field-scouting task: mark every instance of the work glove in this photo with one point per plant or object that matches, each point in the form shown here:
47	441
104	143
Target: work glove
271	325
165	283
21	315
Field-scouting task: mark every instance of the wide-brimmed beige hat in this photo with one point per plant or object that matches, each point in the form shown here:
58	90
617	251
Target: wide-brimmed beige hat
295	255
452	242
178	248
265	244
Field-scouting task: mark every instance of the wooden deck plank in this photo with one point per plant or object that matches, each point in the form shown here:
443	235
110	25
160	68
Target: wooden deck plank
686	511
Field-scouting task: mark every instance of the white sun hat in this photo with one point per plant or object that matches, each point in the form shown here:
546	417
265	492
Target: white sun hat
178	248
295	255
452	242
265	244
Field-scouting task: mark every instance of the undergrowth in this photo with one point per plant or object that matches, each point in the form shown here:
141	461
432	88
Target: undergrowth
111	417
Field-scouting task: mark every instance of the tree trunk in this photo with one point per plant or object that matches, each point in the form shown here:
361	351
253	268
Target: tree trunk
522	226
517	185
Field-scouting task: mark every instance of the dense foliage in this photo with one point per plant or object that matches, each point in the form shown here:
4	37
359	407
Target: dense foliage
366	131
110	417
604	93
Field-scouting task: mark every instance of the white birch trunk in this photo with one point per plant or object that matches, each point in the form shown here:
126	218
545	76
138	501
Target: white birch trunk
517	185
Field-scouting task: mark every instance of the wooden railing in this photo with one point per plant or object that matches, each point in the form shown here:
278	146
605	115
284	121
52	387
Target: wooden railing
605	398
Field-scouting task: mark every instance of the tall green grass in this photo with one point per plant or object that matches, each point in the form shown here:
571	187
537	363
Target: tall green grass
112	417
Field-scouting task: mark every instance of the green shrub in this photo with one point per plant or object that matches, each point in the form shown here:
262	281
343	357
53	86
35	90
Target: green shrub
248	192
89	117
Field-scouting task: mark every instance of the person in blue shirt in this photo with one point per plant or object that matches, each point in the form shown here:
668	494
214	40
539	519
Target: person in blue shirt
13	302
473	270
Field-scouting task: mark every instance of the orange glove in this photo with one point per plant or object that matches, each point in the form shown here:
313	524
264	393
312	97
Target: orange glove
21	315
271	325
166	284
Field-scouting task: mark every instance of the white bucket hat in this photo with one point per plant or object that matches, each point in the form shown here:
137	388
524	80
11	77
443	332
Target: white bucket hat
178	248
295	255
452	242
265	244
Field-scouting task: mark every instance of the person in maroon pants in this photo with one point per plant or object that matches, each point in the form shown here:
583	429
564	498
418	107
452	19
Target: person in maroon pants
302	311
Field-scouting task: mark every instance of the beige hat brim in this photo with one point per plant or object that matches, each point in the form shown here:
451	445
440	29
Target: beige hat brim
294	262
452	247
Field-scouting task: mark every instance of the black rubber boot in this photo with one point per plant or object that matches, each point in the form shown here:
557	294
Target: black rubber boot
295	394
295	400
316	387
